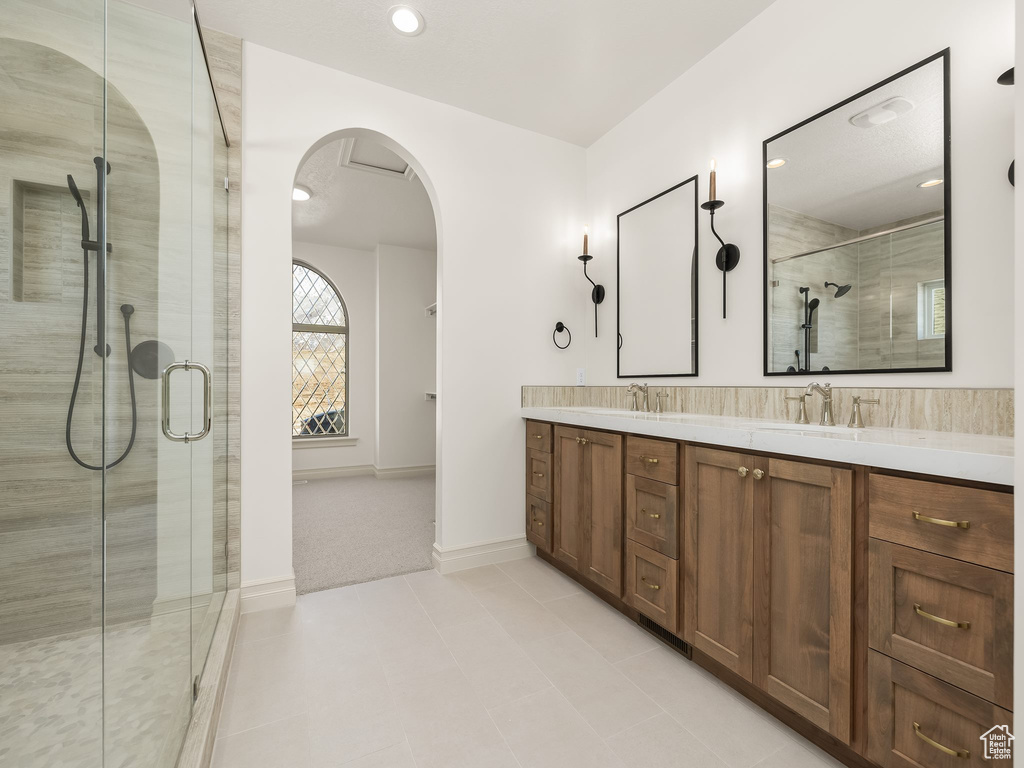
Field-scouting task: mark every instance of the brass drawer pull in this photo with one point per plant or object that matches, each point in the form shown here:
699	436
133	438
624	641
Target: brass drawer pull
743	471
538	523
652	515
939	521
939	620
649	459
538	437
538	474
649	586
961	753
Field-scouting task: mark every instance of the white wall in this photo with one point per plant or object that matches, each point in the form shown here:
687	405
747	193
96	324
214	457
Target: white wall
406	357
1018	283
509	205
353	272
795	59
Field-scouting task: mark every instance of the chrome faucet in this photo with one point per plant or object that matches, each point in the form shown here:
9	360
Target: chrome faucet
827	416
634	389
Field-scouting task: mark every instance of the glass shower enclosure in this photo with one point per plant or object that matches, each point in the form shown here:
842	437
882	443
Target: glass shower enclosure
114	379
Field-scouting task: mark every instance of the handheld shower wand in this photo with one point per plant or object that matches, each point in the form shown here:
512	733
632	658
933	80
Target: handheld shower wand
127	310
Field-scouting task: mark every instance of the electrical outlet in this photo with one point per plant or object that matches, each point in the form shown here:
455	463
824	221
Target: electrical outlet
581	377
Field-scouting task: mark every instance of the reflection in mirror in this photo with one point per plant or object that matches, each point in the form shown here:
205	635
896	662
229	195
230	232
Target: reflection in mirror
657	272
856	232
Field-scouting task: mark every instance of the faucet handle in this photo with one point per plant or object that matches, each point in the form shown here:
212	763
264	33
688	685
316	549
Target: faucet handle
801	416
660	395
856	419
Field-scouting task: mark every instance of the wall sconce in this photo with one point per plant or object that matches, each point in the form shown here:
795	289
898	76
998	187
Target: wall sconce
1007	79
597	294
728	255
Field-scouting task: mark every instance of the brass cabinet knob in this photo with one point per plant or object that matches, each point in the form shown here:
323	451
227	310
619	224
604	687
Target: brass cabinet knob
758	474
538	437
654	515
743	471
584	441
538	523
578	440
649	459
649	586
538	474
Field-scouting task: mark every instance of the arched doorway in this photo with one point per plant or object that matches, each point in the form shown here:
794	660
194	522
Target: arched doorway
365	341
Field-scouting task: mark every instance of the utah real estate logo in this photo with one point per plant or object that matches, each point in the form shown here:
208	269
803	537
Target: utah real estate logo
998	743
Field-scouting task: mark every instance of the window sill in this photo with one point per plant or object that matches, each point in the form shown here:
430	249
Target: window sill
324	442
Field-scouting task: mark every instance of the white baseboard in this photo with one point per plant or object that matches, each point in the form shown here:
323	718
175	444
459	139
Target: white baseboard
332	472
452	559
264	594
404	472
362	469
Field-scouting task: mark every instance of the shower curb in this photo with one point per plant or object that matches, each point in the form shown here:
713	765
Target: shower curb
197	750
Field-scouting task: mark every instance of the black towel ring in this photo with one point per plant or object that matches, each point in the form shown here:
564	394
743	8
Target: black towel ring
559	327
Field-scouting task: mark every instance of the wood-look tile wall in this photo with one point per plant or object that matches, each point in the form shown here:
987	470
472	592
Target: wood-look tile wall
969	411
225	58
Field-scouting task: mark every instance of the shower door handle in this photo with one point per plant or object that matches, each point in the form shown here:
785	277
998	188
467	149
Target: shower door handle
165	421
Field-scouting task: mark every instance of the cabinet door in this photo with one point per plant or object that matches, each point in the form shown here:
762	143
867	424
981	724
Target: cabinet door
718	552
602	510
803	536
568	492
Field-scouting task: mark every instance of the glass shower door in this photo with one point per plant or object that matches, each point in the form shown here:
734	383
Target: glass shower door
148	497
209	347
51	515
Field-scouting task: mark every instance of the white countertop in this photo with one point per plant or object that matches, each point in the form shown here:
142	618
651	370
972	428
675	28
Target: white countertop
982	458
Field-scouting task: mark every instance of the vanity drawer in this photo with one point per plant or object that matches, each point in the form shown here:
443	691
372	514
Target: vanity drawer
653	459
915	720
948	618
538	522
538	436
652	585
652	514
966	523
538	474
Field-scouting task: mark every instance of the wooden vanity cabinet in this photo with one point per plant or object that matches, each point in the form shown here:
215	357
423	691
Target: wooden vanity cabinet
768	549
803	599
588	517
718	556
538	484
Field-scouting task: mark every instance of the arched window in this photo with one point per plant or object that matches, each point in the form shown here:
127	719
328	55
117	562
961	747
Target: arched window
319	355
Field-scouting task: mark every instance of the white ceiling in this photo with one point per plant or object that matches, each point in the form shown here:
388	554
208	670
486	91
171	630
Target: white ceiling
356	207
866	177
571	69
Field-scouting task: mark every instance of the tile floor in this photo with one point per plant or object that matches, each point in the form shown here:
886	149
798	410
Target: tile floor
511	665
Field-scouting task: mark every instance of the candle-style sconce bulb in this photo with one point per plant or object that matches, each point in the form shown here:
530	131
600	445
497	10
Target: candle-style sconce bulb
729	254
597	293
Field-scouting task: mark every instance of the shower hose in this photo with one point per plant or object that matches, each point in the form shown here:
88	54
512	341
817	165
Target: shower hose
126	311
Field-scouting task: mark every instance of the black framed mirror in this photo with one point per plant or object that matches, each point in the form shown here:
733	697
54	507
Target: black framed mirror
656	269
857	255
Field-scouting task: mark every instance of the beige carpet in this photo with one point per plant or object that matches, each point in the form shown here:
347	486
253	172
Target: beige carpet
354	529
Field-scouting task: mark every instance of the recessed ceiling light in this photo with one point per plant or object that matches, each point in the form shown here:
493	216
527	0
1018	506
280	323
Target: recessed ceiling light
301	194
406	21
776	162
929	183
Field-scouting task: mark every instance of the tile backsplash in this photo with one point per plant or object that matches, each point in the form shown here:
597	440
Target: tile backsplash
969	411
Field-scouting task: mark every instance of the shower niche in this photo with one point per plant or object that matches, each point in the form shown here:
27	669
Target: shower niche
44	238
856	232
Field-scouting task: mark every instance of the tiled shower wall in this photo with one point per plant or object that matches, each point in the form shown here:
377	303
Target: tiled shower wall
969	411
